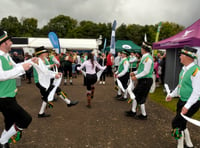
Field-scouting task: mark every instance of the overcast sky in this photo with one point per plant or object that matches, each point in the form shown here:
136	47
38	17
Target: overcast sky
143	12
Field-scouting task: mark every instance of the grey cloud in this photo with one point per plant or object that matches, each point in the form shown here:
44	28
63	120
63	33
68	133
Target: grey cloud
183	12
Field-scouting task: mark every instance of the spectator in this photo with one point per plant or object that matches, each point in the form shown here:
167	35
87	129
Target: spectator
109	64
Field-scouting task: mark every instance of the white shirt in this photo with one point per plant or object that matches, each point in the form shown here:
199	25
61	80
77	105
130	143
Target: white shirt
117	60
195	85
78	59
147	67
125	70
44	74
132	59
17	70
89	68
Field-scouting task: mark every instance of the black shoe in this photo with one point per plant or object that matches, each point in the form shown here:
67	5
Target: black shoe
122	99
118	96
72	103
185	146
43	115
141	117
6	145
130	113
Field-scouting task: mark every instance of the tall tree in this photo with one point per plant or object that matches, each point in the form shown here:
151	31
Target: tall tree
121	32
135	33
169	29
11	25
61	25
29	27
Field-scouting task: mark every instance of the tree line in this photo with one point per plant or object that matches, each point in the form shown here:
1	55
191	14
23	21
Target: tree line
67	27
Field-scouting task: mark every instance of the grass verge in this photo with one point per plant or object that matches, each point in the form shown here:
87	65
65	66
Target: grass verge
159	97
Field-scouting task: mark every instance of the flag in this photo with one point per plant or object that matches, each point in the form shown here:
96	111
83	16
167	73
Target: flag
157	36
112	43
104	46
158	32
54	41
145	37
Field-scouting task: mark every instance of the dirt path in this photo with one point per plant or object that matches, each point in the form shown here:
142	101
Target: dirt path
102	126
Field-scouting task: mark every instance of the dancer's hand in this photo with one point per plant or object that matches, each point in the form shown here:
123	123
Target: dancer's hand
52	65
26	66
133	78
34	60
132	74
168	98
184	110
58	75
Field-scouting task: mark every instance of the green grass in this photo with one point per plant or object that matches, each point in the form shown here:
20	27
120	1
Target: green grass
159	97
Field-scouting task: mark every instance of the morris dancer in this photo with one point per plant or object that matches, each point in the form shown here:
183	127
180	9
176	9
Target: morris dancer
133	61
144	76
44	79
188	91
122	74
91	76
15	117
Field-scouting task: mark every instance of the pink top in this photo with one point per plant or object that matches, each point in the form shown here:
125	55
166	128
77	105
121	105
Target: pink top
156	65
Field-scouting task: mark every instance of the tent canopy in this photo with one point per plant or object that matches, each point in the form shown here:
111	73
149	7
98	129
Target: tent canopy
190	36
121	45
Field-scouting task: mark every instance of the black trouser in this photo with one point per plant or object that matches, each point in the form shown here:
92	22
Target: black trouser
45	92
67	70
142	89
14	114
103	76
133	69
179	121
124	80
29	73
109	71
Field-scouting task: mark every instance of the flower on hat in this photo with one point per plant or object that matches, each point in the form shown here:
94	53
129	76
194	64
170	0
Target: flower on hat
189	53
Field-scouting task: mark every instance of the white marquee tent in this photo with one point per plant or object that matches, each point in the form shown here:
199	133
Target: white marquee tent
29	44
77	44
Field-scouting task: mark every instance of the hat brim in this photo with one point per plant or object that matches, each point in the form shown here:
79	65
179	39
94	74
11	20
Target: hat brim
125	52
146	48
193	57
41	52
5	39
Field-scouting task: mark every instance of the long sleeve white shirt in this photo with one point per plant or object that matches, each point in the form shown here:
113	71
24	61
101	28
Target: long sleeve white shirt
117	60
44	74
195	85
125	70
89	68
132	59
17	70
147	67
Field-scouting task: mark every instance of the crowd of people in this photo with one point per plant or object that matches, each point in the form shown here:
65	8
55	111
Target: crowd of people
133	74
